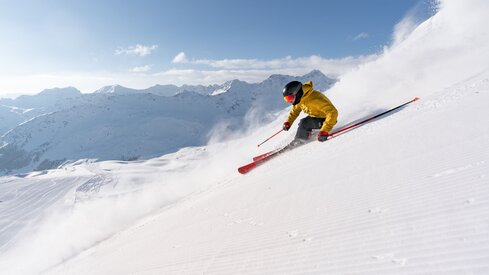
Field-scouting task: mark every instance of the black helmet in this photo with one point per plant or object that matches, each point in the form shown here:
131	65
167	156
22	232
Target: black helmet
292	88
293	92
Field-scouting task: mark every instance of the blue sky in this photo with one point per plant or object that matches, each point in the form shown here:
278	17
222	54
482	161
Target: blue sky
88	44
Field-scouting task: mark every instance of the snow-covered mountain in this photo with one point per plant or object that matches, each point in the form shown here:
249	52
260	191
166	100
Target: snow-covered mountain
56	97
321	81
16	111
161	90
11	116
121	123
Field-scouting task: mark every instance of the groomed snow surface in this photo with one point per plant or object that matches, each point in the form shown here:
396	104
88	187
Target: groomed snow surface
405	194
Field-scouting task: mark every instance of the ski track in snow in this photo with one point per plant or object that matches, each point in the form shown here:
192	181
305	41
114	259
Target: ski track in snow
24	199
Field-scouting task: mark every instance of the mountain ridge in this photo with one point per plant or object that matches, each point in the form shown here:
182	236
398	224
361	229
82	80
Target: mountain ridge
115	121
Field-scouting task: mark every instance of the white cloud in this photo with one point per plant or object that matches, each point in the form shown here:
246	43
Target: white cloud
180	58
141	69
138	49
249	63
361	35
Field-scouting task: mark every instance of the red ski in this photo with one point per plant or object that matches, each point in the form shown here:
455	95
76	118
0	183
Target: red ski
259	160
267	154
264	157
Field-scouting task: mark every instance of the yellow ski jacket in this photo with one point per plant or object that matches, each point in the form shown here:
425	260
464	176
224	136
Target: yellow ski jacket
315	104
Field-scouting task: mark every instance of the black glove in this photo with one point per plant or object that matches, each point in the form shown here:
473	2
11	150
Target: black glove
286	126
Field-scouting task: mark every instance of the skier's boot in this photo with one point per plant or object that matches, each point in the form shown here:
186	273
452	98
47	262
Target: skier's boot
295	143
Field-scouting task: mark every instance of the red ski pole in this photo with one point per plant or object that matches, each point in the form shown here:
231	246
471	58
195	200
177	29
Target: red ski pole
270	137
372	118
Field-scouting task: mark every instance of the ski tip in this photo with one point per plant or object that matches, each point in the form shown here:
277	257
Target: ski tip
416	98
245	169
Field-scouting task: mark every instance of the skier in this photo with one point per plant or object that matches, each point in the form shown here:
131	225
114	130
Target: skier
321	112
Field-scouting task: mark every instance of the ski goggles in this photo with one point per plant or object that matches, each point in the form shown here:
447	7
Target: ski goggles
289	98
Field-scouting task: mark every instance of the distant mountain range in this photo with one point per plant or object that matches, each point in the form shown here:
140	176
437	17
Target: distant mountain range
61	125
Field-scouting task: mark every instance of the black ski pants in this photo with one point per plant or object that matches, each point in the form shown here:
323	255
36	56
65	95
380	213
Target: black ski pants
306	125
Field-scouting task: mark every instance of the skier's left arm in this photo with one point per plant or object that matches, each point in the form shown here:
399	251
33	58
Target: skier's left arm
331	115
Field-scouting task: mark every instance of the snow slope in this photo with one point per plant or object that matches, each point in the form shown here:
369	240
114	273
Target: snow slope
406	194
377	200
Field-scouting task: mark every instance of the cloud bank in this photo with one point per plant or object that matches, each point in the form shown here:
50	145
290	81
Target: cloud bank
211	71
331	66
185	71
